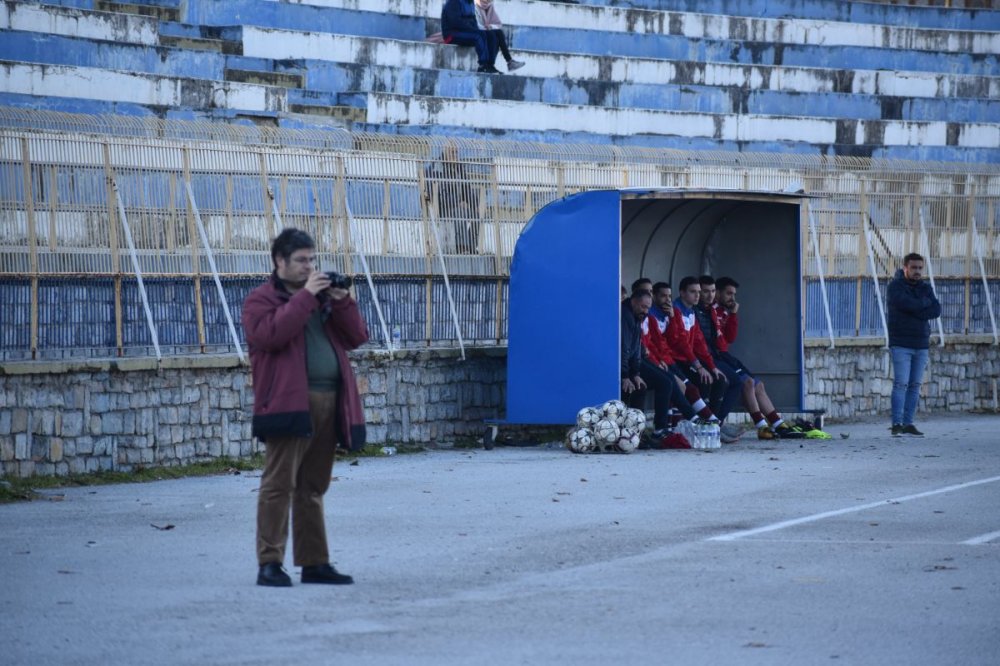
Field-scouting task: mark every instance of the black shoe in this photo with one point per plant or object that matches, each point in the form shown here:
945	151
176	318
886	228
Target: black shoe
325	573
488	69
897	429
787	431
272	574
911	431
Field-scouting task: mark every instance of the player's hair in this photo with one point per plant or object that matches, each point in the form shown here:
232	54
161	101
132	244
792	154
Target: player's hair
639	293
660	285
687	282
724	282
706	280
641	281
288	241
913	256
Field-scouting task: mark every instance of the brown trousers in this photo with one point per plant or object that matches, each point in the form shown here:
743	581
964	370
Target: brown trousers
296	475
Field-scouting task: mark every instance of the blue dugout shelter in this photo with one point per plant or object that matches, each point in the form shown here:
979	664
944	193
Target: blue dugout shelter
575	254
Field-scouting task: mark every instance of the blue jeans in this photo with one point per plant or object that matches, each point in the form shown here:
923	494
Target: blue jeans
907	372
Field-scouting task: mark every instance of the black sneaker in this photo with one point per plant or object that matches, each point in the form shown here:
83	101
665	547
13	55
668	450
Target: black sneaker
911	431
897	429
272	574
326	574
488	69
786	430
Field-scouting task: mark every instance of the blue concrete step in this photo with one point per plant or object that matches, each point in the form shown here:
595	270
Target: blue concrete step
676	47
294	16
827	10
875	151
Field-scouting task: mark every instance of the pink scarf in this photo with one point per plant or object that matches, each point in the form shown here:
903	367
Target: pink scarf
487	15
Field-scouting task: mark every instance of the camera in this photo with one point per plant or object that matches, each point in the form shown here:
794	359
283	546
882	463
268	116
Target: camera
338	280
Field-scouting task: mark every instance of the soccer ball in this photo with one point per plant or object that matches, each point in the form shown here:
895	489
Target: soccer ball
628	441
614	410
635	420
606	431
580	440
588	417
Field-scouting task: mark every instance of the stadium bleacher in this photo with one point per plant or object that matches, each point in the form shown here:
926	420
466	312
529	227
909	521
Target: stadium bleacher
830	78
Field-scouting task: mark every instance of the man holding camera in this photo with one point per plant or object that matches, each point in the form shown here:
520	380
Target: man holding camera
299	327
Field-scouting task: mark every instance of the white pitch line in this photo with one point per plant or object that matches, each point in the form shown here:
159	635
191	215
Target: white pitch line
981	539
733	536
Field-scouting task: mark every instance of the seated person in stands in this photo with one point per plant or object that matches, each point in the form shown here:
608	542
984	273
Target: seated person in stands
638	373
688	347
459	26
658	351
488	21
457	199
719	324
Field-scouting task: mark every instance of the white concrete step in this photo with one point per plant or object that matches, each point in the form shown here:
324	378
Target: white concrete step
72	22
292	44
118	86
506	115
701	26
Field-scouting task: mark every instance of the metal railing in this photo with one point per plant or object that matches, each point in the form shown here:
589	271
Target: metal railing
431	222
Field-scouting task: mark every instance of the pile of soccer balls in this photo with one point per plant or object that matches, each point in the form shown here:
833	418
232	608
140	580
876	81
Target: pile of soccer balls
610	428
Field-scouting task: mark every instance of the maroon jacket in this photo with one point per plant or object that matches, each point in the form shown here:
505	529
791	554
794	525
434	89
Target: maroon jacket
274	321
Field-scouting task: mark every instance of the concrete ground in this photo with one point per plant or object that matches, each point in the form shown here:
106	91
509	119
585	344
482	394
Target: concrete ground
867	550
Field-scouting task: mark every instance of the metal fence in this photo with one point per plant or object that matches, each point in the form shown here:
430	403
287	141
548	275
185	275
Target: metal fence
124	236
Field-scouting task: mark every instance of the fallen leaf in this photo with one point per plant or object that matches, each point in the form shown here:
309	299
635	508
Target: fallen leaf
583	480
56	498
562	492
755	644
164	528
354	464
65	571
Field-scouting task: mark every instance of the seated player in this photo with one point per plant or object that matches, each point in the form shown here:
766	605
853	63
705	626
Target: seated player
637	373
688	347
659	354
718	309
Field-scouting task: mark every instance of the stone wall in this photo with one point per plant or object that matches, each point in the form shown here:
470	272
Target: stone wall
62	418
855	378
71	417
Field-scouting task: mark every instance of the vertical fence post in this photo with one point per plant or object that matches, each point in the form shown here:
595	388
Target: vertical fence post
447	285
368	276
115	248
930	271
866	220
199	309
138	271
29	212
819	268
982	274
215	271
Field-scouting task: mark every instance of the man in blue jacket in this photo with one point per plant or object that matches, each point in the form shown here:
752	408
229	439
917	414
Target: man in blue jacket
459	27
911	304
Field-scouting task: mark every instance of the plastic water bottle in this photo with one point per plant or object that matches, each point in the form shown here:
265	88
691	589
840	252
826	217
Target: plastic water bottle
397	337
715	439
388	450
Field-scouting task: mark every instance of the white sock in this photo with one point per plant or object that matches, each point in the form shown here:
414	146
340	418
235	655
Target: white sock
761	423
698	406
777	423
713	419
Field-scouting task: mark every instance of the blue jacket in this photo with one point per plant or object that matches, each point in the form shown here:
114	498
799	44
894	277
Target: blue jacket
631	341
458	16
911	308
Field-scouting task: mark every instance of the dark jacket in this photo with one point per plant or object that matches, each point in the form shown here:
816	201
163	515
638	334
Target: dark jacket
274	321
458	16
631	341
910	309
